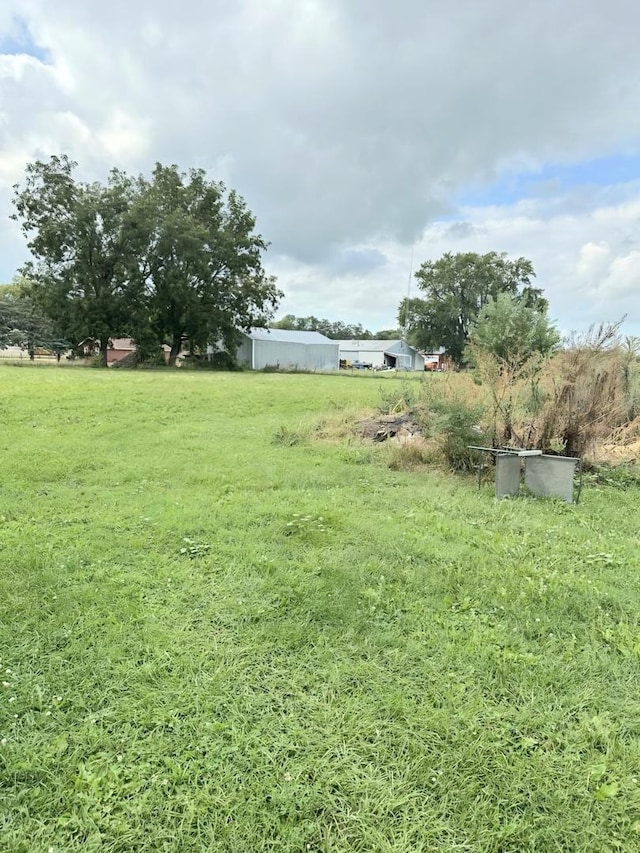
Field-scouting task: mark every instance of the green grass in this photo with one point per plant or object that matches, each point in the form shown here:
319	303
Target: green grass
220	634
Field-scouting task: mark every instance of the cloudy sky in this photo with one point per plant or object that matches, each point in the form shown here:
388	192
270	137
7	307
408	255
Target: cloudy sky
360	132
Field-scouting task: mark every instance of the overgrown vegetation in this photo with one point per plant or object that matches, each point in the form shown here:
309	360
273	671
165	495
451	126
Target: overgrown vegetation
581	401
399	397
574	402
213	642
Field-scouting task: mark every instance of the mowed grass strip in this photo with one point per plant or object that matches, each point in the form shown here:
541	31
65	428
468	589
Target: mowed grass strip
217	638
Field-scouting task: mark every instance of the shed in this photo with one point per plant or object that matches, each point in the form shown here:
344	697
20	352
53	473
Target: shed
119	349
391	353
288	350
436	360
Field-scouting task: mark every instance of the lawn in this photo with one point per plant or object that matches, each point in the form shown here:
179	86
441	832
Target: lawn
214	638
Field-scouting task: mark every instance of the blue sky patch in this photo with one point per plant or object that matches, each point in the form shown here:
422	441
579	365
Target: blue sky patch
554	178
19	40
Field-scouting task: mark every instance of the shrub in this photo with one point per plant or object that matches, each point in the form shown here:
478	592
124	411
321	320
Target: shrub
461	426
456	415
203	361
397	399
222	360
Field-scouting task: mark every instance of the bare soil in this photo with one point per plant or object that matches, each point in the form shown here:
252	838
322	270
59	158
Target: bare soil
402	428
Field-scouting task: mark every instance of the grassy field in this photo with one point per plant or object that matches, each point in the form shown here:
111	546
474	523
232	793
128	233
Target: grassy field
212	640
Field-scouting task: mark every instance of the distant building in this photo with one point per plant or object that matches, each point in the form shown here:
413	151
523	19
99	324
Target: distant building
397	354
437	360
119	349
287	350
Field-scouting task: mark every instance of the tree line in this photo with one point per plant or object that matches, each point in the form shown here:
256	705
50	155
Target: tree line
334	329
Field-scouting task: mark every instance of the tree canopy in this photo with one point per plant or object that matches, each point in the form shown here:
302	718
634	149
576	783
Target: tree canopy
337	330
81	237
201	261
166	260
456	287
334	329
22	324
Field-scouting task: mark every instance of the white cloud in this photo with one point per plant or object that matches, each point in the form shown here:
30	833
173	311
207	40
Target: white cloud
350	128
593	261
623	281
124	137
586	260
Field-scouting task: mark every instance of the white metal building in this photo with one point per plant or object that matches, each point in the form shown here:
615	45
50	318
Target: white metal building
398	354
287	350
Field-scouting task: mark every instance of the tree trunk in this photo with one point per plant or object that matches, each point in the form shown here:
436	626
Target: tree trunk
176	345
104	346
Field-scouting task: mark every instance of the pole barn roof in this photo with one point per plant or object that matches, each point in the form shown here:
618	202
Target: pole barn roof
288	336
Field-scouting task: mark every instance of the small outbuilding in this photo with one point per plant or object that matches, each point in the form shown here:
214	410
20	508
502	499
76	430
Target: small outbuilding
120	349
436	360
396	354
287	350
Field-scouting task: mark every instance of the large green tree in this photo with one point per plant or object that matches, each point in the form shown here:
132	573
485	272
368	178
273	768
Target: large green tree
164	260
201	263
83	240
456	287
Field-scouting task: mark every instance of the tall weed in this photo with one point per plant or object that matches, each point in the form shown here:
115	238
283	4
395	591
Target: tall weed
456	416
397	399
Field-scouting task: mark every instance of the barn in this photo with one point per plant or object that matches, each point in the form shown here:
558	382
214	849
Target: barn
287	350
392	353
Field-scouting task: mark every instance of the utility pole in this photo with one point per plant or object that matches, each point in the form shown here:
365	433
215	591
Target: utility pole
405	328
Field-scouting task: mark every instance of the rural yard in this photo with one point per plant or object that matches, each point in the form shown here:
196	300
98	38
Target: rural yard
228	624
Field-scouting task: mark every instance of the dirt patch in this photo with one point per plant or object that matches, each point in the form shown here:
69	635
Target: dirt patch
617	454
401	429
621	447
